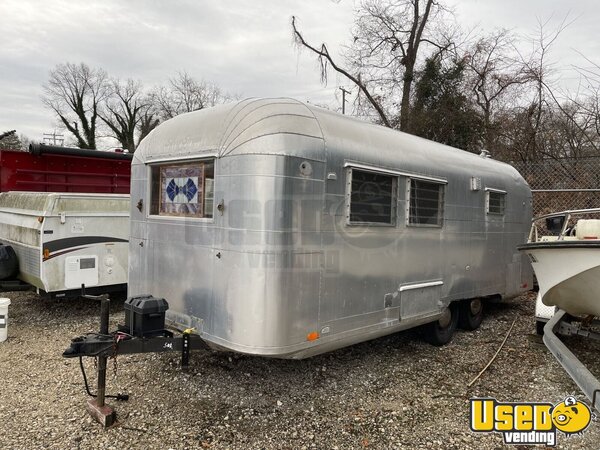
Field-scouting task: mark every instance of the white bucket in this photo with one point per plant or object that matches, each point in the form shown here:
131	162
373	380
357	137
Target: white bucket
4	302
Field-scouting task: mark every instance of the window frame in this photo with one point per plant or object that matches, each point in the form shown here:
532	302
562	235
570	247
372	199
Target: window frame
176	162
489	191
393	202
441	202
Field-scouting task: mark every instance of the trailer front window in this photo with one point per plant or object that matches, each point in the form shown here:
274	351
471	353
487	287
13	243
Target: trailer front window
184	190
426	203
372	197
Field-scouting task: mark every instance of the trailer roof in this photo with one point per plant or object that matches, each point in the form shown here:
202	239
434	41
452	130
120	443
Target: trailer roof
289	127
249	126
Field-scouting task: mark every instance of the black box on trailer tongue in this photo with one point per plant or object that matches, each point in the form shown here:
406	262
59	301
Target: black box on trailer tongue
145	316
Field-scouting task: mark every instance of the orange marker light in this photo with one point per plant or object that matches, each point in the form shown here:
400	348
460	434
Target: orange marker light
46	253
312	336
40	219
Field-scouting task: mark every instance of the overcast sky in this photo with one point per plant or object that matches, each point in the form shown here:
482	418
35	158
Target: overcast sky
243	46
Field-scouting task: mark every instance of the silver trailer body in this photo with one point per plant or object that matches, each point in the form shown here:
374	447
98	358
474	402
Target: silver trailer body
66	240
307	231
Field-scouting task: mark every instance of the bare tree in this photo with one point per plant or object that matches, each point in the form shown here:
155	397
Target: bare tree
124	111
25	141
541	123
149	118
566	132
388	38
325	58
546	98
588	101
591	108
185	94
182	94
494	72
75	92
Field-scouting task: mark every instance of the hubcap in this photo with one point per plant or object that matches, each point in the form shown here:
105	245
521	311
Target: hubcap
445	320
475	306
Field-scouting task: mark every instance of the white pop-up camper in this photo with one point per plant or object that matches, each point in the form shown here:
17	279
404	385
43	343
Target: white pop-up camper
66	241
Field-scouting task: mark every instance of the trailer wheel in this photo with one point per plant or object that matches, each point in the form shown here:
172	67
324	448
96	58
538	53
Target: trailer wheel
440	332
471	314
9	263
539	327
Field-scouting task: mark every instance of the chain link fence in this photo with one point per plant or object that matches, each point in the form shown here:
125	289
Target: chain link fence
561	184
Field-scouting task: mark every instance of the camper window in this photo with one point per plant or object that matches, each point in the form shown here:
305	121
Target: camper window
184	190
372	198
426	203
496	202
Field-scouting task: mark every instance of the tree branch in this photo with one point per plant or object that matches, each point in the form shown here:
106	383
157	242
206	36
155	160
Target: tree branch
323	53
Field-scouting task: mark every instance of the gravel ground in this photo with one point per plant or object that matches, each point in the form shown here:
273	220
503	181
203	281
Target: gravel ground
393	392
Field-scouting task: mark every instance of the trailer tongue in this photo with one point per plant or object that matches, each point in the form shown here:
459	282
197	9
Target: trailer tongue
144	332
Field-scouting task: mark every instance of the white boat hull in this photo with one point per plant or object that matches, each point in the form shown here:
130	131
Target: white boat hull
568	275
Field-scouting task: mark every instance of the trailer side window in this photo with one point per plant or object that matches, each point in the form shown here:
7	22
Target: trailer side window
184	190
372	198
496	202
426	203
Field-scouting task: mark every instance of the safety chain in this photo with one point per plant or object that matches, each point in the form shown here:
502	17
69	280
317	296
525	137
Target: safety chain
118	337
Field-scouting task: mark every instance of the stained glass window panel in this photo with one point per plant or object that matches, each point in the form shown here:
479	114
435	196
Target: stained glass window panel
181	189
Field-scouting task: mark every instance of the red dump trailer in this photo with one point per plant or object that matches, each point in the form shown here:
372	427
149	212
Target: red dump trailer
48	168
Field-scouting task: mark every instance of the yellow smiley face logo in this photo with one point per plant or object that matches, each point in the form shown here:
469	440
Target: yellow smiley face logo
571	416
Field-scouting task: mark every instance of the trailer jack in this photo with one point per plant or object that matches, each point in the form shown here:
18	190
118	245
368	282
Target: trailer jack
125	341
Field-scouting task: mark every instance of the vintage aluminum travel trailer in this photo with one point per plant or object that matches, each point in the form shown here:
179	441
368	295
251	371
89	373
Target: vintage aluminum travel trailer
280	229
62	241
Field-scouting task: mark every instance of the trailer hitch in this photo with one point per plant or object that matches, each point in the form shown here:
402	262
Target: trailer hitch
104	344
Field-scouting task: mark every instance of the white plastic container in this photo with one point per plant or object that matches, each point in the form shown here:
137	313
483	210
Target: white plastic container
4	302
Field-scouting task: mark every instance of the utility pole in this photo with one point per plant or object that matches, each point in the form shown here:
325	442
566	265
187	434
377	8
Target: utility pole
53	138
344	92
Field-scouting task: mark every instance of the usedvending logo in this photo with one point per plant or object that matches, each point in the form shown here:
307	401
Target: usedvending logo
529	423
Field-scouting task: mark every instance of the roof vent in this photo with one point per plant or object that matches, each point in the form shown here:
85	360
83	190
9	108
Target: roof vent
485	153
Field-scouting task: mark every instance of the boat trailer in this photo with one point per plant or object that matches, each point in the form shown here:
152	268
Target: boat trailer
564	324
144	332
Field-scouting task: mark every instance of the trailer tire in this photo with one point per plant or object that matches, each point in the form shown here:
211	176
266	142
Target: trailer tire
539	327
470	314
440	332
9	263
